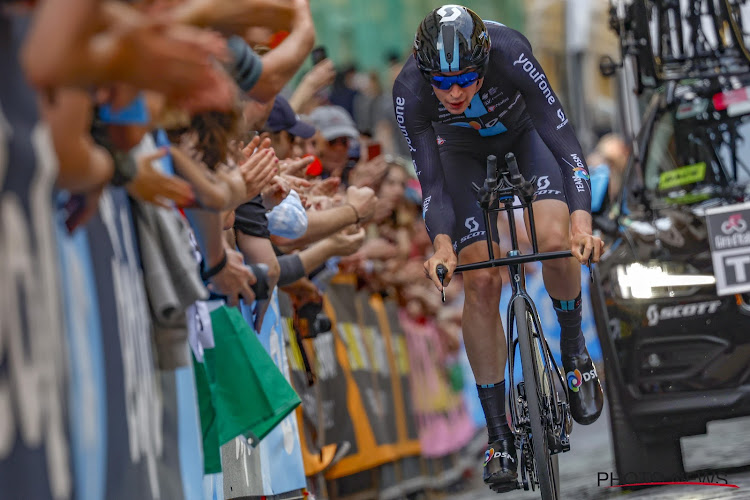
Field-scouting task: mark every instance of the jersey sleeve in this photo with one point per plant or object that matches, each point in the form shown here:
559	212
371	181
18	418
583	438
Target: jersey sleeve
415	124
550	121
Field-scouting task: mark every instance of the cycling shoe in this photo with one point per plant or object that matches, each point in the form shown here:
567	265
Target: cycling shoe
584	390
500	465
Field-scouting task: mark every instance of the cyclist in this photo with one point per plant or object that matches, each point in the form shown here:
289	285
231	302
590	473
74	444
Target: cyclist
473	88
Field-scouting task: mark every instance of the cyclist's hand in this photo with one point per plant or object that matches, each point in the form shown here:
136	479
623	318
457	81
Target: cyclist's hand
586	246
448	259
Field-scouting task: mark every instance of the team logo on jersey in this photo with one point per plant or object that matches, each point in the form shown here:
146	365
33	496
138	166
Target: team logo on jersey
581	173
490	109
440	141
485	96
484	35
493	90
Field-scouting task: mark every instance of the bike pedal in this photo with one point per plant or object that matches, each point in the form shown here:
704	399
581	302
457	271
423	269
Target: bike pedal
505	487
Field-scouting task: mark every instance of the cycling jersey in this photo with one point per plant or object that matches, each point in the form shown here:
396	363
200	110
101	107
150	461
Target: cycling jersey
515	99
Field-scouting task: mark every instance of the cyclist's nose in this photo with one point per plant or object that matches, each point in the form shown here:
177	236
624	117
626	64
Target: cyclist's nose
455	91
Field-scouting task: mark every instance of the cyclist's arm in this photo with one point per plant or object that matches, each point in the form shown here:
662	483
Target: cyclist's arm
551	122
437	209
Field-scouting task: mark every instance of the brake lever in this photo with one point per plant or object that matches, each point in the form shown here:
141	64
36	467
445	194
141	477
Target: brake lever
441	272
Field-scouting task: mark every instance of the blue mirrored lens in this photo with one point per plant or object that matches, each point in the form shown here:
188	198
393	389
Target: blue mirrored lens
446	82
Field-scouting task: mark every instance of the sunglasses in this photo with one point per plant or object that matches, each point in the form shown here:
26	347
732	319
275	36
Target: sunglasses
446	82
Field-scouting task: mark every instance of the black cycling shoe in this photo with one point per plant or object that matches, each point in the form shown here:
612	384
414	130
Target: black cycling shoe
500	465
584	390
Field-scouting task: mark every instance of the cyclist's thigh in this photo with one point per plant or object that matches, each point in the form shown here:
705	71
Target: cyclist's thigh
463	163
535	159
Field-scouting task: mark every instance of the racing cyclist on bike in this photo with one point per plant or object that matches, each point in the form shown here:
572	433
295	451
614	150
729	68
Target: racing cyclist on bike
472	89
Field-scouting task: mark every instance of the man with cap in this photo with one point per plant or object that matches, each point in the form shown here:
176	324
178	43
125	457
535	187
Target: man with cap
336	130
285	127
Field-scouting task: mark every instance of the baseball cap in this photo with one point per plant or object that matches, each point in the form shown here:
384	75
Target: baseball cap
283	117
333	122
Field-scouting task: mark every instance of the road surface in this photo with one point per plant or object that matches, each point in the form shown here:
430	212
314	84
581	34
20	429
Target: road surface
585	470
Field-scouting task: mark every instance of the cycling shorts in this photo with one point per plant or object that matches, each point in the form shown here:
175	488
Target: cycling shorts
464	160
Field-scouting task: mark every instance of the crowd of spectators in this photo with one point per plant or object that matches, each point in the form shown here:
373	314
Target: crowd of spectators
187	105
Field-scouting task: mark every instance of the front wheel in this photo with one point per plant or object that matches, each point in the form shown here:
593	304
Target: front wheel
533	374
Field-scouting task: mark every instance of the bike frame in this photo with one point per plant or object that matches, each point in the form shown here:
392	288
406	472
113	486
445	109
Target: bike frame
515	261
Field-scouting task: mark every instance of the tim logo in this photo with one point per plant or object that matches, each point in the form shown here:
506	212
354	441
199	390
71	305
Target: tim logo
543	182
472	225
735	224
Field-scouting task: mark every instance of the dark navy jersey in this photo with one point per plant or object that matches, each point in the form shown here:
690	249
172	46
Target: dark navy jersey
515	91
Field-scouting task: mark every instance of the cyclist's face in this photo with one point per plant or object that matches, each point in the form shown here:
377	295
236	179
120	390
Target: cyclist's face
457	99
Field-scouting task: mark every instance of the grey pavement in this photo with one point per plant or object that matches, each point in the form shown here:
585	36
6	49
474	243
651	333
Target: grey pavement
727	445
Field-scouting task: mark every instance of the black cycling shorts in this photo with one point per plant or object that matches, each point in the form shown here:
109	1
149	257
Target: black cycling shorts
464	159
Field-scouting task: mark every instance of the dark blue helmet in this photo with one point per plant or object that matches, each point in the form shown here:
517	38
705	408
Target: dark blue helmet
452	38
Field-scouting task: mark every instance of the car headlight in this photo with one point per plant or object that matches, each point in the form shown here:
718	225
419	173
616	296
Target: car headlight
659	279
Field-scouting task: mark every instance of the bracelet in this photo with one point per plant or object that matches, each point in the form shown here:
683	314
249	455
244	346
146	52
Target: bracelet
356	214
210	273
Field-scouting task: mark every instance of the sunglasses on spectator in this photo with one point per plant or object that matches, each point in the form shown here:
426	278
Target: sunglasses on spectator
343	141
463	80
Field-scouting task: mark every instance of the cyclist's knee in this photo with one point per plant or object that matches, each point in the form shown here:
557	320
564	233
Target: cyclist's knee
553	238
483	285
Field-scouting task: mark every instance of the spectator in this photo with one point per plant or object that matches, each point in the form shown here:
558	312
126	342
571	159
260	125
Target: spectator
336	130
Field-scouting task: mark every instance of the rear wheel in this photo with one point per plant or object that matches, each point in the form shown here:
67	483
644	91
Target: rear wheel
534	383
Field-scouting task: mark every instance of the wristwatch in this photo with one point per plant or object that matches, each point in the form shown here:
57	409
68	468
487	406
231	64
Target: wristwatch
125	167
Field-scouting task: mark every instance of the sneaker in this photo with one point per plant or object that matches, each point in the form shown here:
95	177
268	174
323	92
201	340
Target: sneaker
584	390
500	465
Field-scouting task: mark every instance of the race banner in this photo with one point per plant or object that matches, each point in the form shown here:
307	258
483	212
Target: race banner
316	455
443	423
379	396
356	366
87	401
35	453
135	440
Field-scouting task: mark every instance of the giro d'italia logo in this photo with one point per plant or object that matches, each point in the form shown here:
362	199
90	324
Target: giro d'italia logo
574	380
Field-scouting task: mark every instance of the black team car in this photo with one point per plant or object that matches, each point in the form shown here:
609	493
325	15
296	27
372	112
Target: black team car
676	354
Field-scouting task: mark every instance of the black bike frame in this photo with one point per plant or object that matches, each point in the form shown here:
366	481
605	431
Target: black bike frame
515	261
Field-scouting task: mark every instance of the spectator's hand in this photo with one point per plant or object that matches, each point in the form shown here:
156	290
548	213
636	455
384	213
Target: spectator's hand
152	186
369	173
235	280
235	16
258	170
295	166
136	47
379	248
320	76
318	203
326	187
297	183
275	192
363	200
347	242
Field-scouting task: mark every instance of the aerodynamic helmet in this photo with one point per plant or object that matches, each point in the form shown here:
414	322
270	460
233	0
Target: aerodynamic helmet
451	38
